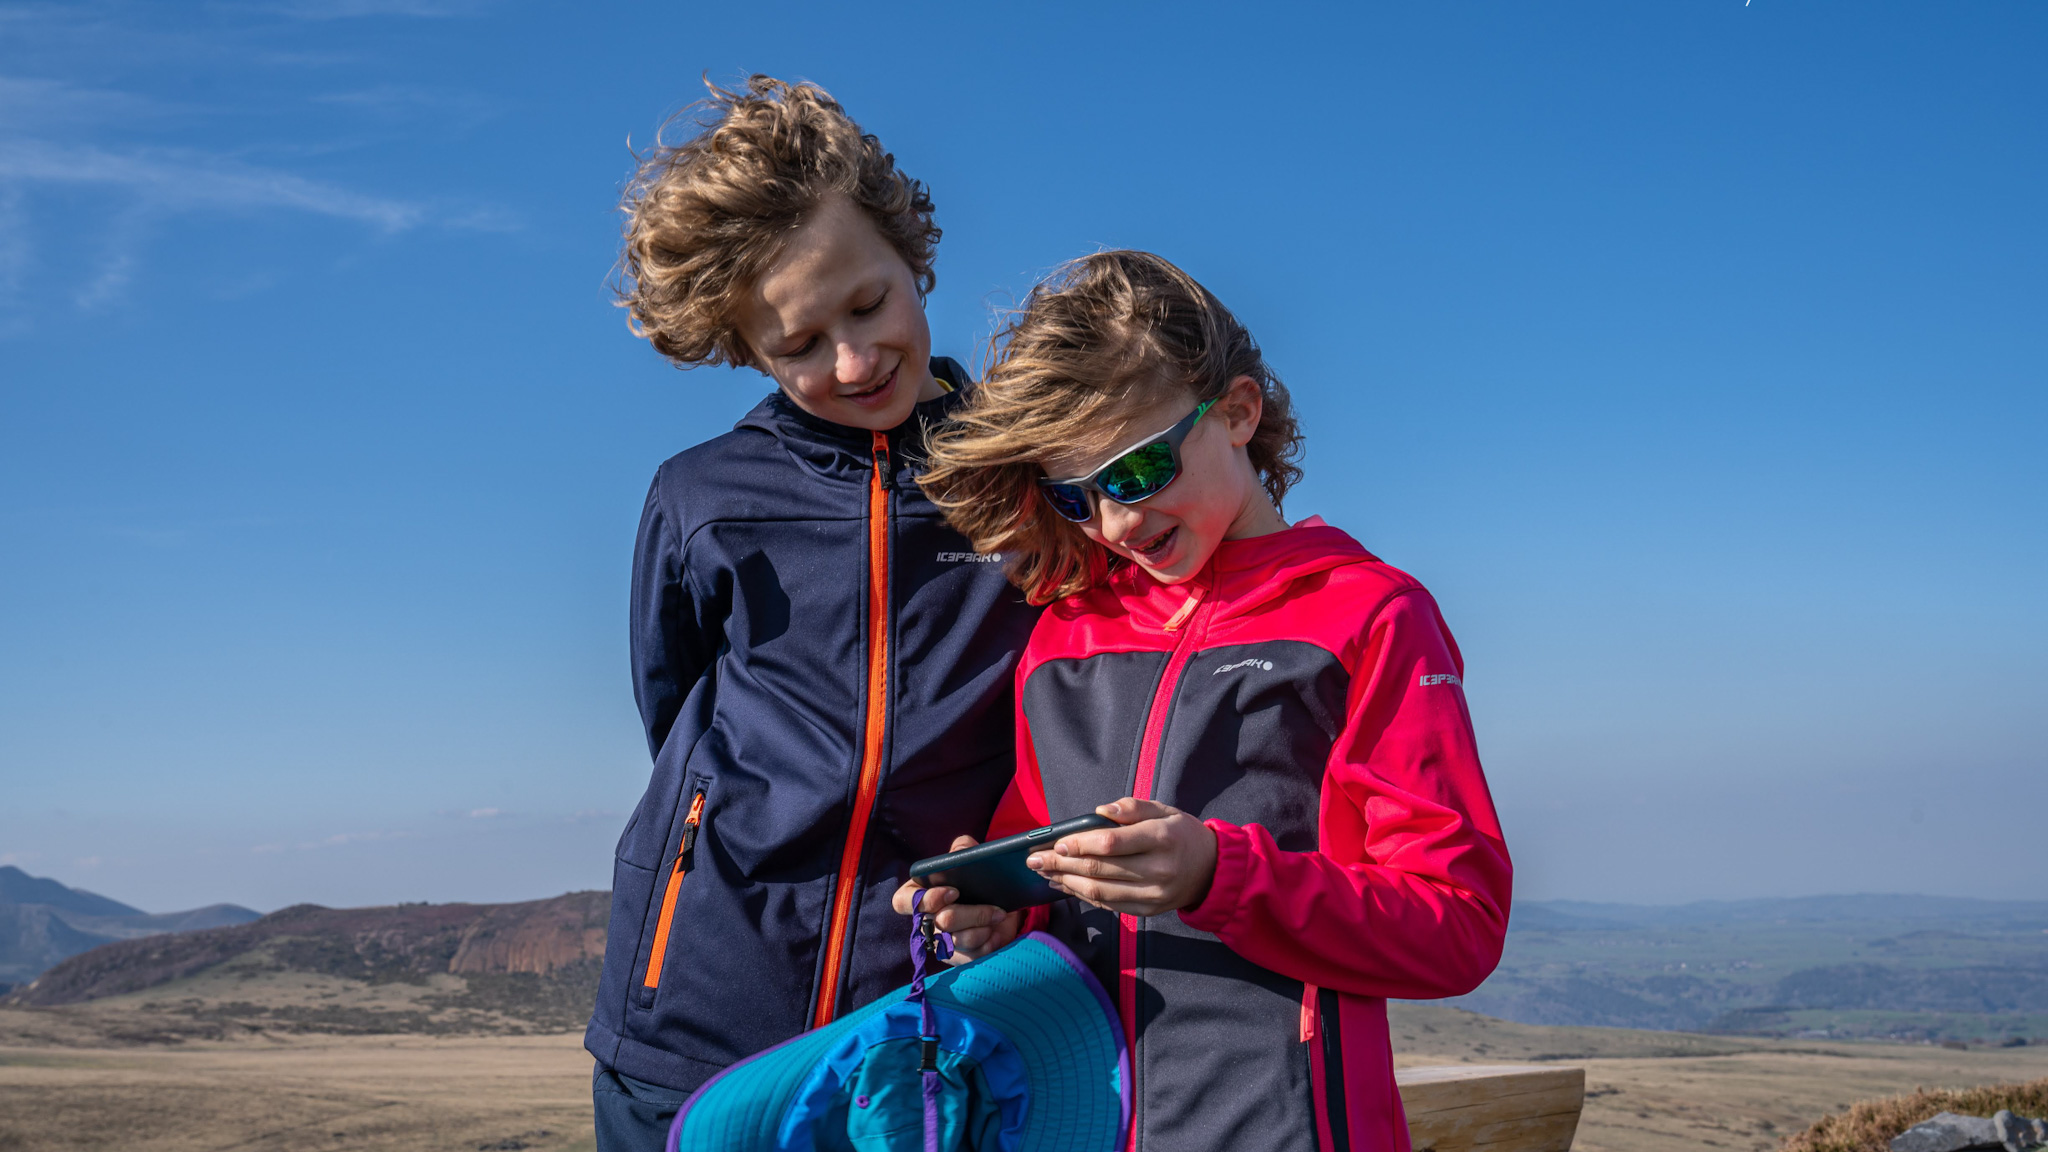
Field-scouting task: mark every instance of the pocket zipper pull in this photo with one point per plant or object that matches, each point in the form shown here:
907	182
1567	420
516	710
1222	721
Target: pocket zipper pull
686	855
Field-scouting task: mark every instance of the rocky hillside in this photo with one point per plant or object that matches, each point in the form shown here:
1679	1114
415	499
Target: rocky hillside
410	967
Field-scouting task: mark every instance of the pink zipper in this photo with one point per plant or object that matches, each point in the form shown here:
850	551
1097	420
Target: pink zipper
1198	607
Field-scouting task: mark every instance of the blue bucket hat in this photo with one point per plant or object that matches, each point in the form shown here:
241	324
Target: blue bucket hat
1019	1051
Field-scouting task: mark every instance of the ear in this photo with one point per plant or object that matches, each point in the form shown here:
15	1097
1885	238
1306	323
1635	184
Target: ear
1241	405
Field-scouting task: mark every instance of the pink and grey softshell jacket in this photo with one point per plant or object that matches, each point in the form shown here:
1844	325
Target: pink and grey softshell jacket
1306	700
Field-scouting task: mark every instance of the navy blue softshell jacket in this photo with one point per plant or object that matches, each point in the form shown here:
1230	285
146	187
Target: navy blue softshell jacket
824	669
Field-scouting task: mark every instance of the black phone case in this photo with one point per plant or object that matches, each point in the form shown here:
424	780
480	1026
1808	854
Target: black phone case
994	873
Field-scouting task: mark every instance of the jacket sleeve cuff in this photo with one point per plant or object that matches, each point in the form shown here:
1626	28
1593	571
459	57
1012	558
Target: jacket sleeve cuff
1233	864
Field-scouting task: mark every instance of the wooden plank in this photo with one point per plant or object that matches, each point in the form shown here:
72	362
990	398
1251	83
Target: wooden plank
1492	1107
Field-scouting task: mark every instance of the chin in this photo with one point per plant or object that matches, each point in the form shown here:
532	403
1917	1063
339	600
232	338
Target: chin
1167	576
873	419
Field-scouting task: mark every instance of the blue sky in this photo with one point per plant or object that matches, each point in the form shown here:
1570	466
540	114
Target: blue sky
1694	355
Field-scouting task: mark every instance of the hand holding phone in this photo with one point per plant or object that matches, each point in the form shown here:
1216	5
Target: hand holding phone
1156	859
977	929
995	873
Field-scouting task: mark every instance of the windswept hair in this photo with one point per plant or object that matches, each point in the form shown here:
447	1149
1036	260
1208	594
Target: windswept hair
705	217
1104	337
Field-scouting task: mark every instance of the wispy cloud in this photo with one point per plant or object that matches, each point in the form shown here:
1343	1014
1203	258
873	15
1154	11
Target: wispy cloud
47	104
184	180
97	96
409	101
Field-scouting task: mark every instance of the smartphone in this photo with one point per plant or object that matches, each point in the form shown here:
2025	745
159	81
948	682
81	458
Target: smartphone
994	873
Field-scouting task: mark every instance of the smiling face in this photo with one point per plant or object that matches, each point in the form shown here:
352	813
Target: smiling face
837	322
1216	496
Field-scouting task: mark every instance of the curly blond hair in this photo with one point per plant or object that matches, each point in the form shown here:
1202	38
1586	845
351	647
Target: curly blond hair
1104	337
705	217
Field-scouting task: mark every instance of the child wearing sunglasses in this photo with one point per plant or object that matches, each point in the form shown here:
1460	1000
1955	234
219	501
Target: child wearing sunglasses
822	665
1272	715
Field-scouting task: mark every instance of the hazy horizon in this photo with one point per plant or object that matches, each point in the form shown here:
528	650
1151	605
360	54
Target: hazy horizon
1693	357
1551	905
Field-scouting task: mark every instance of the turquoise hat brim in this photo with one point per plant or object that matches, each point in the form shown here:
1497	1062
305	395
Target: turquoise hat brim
1034	992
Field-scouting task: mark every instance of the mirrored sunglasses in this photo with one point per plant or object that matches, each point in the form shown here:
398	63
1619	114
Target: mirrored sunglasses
1132	475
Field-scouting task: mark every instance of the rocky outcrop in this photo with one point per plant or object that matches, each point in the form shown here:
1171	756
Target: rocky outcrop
1950	1132
537	938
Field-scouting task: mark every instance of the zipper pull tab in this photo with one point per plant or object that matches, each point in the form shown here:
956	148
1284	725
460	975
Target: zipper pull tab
883	472
686	856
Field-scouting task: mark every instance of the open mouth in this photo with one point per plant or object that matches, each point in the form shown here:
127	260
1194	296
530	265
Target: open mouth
1156	547
881	387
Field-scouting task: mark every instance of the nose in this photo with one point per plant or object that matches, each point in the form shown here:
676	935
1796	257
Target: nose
855	362
1118	522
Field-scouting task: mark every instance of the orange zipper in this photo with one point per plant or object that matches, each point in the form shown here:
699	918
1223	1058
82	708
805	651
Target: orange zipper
871	751
675	884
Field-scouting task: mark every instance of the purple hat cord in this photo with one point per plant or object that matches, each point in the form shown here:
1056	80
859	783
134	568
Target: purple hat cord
927	944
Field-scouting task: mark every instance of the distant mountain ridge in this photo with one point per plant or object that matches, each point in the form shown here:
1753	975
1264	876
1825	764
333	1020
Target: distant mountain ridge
1863	906
43	922
18	887
1884	966
1894	967
432	968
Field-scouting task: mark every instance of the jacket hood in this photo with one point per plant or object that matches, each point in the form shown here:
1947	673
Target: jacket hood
842	452
1243	574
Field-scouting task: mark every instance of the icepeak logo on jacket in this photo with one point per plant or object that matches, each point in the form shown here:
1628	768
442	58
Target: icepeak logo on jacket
789	602
1257	1019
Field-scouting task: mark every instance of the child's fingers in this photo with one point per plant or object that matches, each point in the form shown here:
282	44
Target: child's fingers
935	899
978	942
1143	899
1124	868
1145	836
968	917
1130	810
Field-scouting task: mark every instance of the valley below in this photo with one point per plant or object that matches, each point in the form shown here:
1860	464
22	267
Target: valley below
457	1027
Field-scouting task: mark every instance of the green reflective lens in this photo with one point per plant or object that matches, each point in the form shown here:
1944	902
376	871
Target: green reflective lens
1139	473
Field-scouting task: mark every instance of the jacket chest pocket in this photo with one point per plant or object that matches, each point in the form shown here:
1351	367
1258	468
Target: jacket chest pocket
1250	737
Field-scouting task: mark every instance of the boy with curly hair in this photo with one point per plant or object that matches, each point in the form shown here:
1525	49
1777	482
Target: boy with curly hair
822	664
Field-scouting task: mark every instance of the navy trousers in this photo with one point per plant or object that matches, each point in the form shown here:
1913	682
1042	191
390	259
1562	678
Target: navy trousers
632	1115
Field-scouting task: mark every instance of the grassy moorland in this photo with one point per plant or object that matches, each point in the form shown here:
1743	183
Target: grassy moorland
76	1078
429	1027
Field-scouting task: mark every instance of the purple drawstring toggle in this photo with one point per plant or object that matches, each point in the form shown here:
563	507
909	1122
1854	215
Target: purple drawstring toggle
927	944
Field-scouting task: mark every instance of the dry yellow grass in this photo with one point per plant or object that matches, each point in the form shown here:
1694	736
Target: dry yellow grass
1667	1092
301	1094
70	1082
1869	1126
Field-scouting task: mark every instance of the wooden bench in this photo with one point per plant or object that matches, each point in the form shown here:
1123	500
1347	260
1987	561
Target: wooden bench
1492	1107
